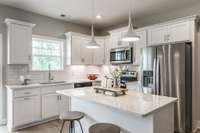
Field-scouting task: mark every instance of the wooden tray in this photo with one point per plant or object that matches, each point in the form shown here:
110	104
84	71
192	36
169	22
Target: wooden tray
114	91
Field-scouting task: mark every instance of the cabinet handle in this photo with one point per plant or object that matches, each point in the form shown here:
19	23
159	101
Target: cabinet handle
26	98
164	38
26	93
168	38
82	60
30	57
58	98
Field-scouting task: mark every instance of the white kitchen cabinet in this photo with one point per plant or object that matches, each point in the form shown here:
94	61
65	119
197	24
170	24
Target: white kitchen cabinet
107	50
86	54
64	102
138	45
50	105
175	32
78	54
179	32
158	35
26	110
116	40
98	54
19	36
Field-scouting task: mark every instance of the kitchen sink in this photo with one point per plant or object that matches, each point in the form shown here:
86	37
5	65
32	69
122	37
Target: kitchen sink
52	82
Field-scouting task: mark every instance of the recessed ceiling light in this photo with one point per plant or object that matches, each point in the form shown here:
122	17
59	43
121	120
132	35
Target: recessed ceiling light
98	16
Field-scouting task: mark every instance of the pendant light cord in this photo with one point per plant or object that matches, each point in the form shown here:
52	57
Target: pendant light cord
130	13
92	17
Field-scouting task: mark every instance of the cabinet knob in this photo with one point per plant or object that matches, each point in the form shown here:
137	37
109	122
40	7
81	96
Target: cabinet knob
30	57
82	60
26	98
26	93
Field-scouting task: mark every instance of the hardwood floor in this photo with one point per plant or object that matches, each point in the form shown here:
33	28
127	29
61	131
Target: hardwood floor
51	127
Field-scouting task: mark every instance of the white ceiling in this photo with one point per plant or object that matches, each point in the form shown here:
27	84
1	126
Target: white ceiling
113	11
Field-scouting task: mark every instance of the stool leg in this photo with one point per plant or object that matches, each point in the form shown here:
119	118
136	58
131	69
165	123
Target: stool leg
73	127
63	123
70	127
80	126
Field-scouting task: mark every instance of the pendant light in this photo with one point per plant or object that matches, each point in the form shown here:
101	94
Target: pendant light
92	44
130	35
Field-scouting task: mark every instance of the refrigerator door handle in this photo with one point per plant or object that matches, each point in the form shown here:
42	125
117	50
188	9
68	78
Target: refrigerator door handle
153	91
157	88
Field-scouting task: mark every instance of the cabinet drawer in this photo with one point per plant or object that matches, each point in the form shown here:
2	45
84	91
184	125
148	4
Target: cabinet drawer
53	89
26	92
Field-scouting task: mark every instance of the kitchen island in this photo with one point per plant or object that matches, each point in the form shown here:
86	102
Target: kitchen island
134	112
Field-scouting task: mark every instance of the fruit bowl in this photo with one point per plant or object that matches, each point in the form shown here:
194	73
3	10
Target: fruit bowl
92	76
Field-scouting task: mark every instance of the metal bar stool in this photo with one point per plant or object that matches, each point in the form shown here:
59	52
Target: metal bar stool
71	117
104	128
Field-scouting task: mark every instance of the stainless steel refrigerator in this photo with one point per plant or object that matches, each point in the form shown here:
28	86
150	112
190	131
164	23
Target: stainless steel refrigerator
166	70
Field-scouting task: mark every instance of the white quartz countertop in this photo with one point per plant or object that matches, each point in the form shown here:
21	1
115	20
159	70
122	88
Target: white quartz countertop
134	102
35	85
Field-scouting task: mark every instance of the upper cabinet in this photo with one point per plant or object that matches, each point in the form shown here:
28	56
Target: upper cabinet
174	32
78	54
138	45
98	54
19	39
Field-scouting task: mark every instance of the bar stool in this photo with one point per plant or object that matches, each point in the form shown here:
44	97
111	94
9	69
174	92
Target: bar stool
104	128
71	117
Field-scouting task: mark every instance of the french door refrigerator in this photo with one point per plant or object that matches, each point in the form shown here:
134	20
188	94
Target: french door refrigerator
166	70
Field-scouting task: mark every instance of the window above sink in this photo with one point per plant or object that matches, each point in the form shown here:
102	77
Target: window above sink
45	51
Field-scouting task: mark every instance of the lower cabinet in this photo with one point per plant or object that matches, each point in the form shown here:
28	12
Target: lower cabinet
53	105
50	104
26	110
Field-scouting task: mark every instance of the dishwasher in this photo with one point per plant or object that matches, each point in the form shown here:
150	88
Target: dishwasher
82	84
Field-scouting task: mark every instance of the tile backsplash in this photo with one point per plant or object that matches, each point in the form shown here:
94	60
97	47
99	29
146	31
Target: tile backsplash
69	73
74	72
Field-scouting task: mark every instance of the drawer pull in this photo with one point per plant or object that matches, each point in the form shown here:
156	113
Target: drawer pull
26	98
27	93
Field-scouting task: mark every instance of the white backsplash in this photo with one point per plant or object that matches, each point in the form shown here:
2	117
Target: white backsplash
75	72
69	73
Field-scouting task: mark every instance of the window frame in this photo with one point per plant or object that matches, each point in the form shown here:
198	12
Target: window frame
51	39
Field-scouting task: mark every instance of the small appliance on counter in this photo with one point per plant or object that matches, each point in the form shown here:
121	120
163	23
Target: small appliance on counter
128	76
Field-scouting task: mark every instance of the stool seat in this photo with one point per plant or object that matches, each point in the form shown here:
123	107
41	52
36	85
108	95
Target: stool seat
71	115
104	128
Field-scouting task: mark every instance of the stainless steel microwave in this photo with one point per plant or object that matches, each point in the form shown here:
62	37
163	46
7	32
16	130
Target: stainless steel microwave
121	55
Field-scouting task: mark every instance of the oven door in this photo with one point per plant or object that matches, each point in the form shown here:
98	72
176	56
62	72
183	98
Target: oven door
121	56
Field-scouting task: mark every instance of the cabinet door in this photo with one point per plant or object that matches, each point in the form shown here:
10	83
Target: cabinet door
75	50
98	54
179	32
124	44
116	40
158	35
64	104
26	110
20	40
86	54
107	50
50	105
138	45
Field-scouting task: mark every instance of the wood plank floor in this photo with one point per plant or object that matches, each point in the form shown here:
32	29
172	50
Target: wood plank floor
50	127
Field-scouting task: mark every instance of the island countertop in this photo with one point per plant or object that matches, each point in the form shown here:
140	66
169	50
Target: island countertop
133	102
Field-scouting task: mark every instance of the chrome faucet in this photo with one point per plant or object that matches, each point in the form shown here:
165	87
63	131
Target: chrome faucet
50	74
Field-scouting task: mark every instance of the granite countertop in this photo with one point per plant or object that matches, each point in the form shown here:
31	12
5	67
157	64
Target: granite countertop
134	102
35	85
